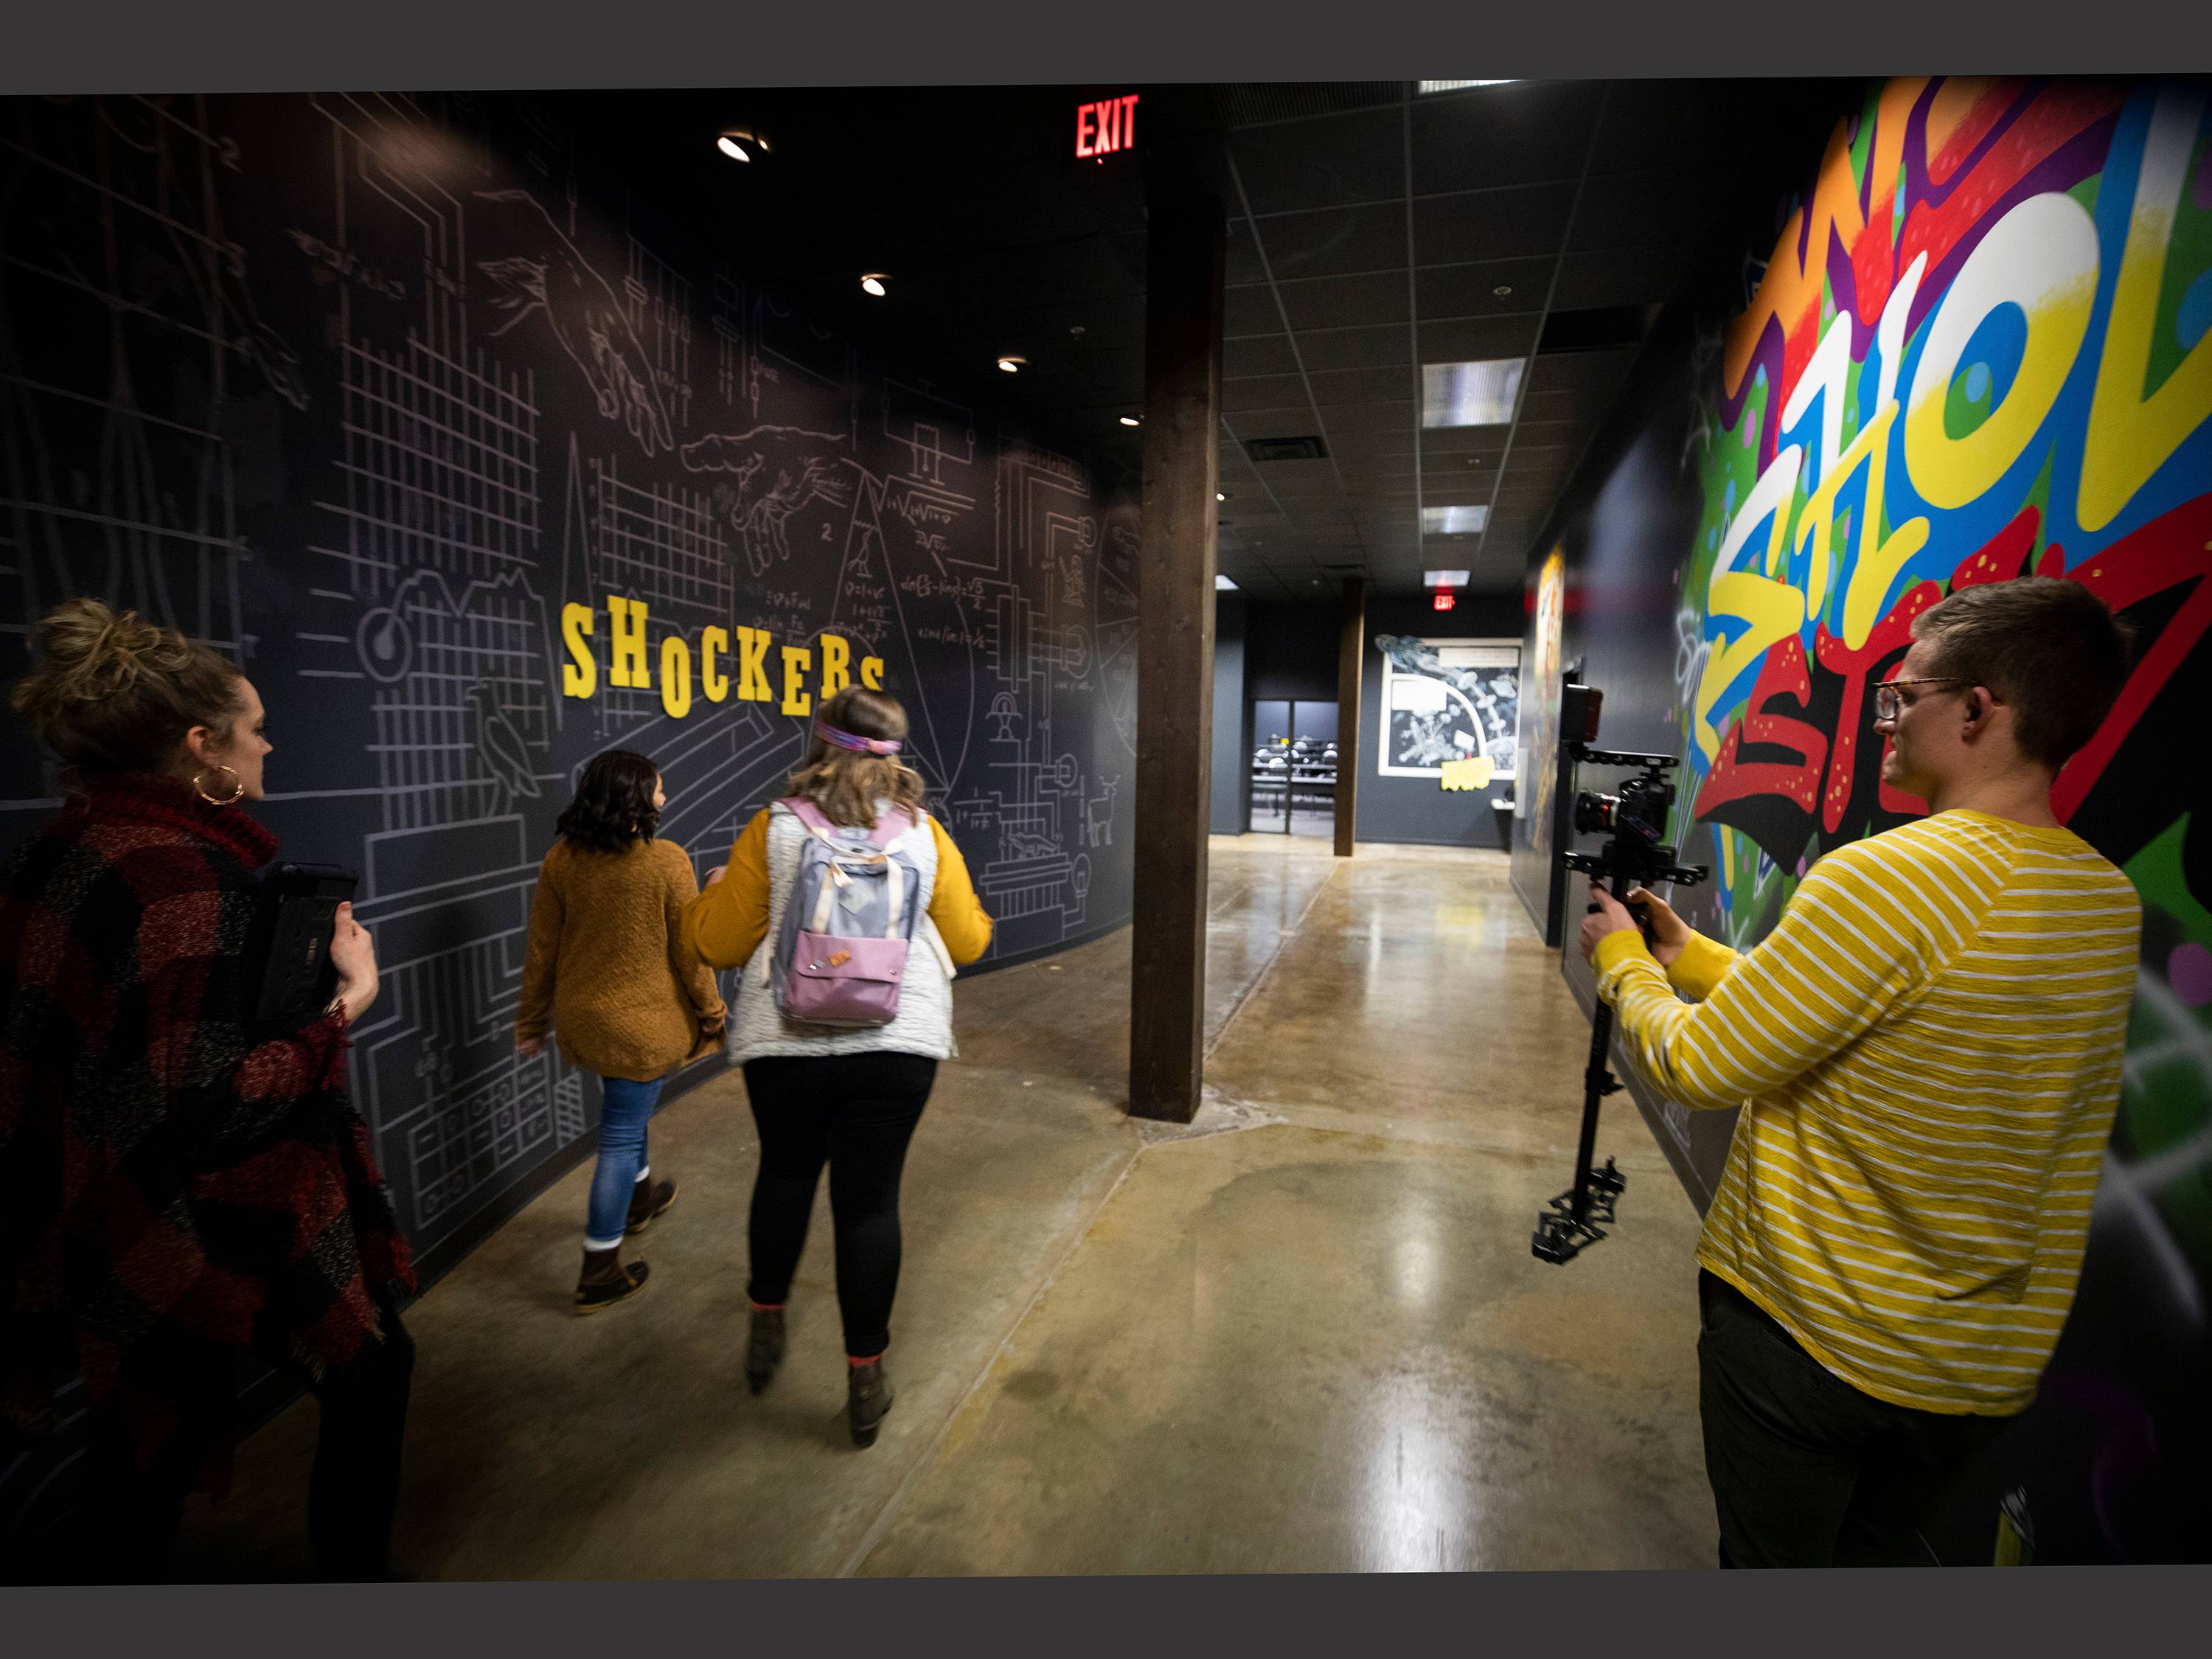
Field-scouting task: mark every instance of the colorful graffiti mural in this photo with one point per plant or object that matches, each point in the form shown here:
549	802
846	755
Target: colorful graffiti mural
1982	347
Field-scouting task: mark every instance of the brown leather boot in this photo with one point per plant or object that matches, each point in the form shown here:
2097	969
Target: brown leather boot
605	1281
648	1200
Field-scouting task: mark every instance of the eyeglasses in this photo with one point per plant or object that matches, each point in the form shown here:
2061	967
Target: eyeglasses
1887	705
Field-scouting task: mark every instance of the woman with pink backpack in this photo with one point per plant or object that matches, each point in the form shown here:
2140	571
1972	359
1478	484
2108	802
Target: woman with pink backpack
847	906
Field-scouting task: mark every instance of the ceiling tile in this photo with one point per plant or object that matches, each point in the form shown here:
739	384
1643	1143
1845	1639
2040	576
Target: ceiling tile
1274	474
1270	354
1477	339
1348	302
1338	241
1355	348
1464	440
1593	373
1294	421
1540	432
1508	135
1620	276
1336	161
1262	391
1656	205
1364	386
1529	221
1471	291
1698	123
1366	417
1241	250
1249	311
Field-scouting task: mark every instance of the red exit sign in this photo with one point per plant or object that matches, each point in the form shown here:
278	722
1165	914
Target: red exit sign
1105	127
1445	601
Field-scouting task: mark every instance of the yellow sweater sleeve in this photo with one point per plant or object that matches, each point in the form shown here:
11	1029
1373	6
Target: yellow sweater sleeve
724	924
693	975
1841	956
534	1018
960	918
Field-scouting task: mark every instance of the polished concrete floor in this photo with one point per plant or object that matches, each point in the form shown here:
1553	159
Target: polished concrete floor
1306	1335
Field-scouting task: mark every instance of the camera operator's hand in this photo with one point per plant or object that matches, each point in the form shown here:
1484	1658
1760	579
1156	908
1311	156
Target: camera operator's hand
1607	916
1669	933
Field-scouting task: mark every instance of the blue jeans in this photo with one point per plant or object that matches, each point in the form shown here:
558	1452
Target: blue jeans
625	1108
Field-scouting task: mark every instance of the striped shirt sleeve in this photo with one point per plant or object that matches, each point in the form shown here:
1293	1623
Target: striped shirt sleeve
1703	964
1841	954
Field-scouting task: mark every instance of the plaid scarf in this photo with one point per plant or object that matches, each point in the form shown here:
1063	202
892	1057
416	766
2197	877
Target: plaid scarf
176	1185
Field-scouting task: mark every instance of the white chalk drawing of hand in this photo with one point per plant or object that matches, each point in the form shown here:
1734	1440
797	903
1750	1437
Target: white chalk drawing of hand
779	470
585	313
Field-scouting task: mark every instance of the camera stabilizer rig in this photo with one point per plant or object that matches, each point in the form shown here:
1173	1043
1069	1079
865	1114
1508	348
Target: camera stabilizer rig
1633	856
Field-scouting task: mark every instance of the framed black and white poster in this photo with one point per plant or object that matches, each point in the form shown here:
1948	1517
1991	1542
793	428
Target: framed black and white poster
1445	700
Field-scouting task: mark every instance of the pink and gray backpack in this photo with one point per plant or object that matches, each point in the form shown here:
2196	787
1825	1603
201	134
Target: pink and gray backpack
848	922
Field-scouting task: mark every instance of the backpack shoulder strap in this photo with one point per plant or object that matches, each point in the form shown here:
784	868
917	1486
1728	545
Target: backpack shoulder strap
888	828
806	812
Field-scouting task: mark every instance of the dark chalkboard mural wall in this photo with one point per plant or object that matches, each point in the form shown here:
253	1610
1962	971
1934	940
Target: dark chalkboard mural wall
479	471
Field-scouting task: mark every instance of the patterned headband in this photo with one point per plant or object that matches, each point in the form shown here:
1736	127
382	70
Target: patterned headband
829	734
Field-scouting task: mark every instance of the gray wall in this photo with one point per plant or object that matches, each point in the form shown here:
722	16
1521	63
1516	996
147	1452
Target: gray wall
1292	652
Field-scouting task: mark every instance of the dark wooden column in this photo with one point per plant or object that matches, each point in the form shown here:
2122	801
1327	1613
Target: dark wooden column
1350	658
1184	261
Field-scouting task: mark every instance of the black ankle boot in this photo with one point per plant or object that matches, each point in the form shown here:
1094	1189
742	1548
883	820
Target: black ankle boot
763	1347
867	1398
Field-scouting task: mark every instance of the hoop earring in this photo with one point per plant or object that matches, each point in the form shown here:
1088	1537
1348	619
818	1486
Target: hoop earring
231	800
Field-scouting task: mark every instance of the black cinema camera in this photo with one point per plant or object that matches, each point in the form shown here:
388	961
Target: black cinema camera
1635	854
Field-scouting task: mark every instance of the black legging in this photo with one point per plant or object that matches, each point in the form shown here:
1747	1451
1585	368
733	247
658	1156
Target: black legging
855	1113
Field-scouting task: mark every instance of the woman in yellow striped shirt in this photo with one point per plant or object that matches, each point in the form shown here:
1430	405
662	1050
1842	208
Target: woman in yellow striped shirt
1927	1051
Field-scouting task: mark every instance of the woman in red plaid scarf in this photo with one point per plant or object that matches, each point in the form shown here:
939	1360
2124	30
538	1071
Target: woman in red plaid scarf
179	1188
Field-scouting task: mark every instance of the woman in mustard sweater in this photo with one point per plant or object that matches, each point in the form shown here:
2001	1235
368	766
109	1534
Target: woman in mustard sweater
607	970
848	1099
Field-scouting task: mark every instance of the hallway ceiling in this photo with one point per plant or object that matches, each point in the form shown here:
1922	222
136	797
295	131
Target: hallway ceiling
1372	230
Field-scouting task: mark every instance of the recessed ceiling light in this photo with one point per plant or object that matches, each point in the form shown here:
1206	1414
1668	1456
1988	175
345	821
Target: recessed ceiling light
1453	86
874	283
1445	578
1218	496
1011	365
739	145
1502	289
1222	584
1470	394
1128	420
1454	520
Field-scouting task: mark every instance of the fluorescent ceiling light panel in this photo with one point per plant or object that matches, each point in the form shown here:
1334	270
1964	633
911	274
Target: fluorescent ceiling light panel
1453	86
1454	520
1222	584
1471	394
1446	578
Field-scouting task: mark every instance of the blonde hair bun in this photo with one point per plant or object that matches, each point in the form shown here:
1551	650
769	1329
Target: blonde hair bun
113	692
